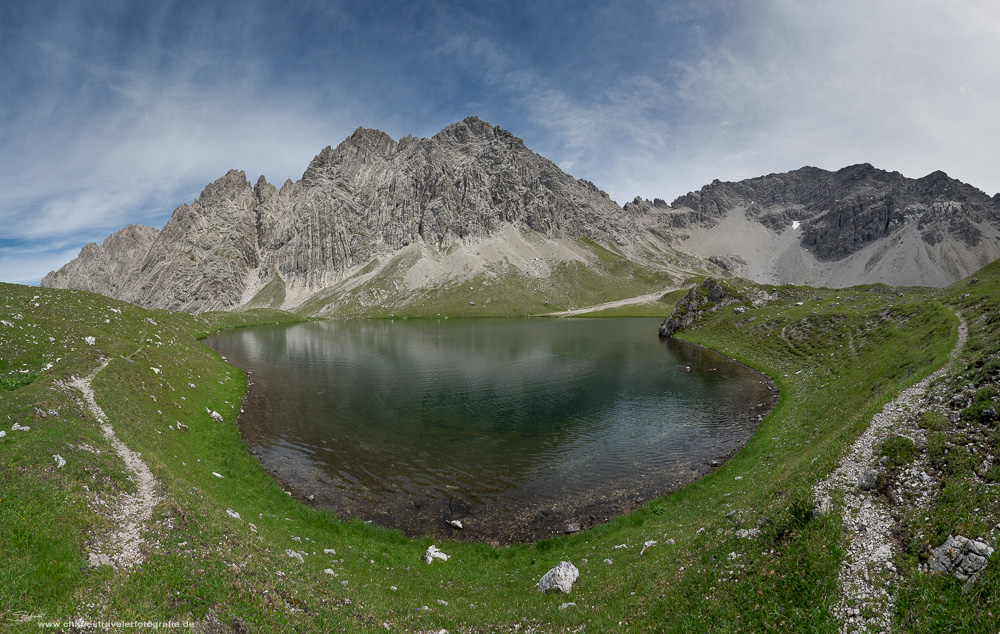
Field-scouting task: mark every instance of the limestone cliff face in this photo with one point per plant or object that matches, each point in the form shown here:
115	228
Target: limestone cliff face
367	197
105	268
856	225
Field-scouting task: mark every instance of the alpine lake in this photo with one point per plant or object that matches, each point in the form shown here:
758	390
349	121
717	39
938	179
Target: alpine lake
517	428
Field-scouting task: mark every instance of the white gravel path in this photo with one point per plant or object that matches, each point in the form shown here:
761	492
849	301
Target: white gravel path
866	603
628	301
123	548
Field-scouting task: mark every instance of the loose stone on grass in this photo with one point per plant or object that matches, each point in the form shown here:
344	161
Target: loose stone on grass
559	578
433	553
961	557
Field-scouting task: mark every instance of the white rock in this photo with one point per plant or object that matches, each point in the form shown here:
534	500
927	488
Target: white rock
619	547
647	545
60	462
560	578
233	514
216	416
17	427
455	524
433	553
217	475
567	605
330	571
294	555
329	551
155	370
2	434
90	340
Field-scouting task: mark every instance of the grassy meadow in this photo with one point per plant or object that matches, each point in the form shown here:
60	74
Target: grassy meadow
740	550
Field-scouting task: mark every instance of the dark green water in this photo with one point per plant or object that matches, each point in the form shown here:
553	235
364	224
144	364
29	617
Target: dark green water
514	427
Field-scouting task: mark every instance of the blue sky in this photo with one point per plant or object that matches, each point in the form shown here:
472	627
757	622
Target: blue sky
114	113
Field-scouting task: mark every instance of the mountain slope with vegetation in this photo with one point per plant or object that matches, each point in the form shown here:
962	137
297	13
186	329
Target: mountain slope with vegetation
742	549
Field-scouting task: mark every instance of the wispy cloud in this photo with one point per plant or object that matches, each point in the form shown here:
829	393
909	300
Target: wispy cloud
896	83
772	86
116	113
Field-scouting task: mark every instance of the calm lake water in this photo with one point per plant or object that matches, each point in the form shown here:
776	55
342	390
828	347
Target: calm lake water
514	427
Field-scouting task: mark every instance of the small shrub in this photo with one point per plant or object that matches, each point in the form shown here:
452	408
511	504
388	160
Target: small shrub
936	447
899	450
932	421
10	383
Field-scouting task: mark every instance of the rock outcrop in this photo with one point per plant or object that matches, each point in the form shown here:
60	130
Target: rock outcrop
711	294
960	557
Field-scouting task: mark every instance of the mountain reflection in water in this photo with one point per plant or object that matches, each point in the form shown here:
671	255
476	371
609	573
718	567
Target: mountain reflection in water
515	427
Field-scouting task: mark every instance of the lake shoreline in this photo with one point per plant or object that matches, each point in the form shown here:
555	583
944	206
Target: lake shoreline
514	523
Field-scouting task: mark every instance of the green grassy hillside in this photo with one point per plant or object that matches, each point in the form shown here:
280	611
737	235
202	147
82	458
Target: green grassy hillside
837	358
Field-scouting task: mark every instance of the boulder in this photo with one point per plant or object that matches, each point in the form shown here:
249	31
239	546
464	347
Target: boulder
868	479
960	557
559	579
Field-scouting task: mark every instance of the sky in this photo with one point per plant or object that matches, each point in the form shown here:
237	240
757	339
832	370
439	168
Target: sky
114	113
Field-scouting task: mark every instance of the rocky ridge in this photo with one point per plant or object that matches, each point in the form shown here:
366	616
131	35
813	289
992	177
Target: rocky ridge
857	225
474	200
356	205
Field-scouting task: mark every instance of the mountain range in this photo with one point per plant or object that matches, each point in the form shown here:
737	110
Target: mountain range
471	217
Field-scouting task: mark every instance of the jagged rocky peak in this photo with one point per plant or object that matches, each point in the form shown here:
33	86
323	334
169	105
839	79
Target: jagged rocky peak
364	146
229	189
265	191
363	200
641	206
102	268
474	129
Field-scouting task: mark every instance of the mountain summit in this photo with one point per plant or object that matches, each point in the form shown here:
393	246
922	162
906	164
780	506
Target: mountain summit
376	224
470	201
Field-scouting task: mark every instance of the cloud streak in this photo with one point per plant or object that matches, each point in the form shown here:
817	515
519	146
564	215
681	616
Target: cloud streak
115	114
